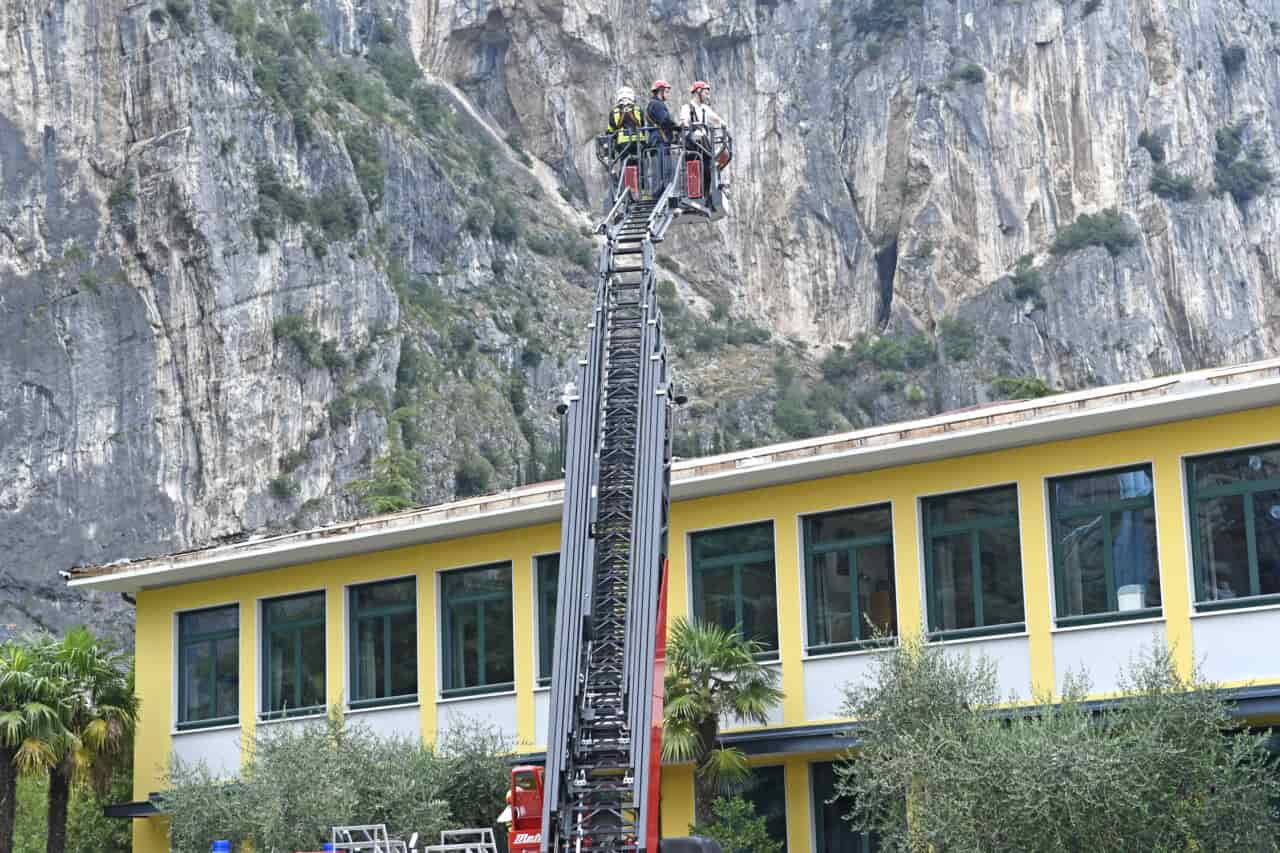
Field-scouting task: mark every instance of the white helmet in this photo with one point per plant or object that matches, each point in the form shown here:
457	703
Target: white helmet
626	95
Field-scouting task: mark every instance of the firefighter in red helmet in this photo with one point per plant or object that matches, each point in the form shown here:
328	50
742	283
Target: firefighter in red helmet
664	132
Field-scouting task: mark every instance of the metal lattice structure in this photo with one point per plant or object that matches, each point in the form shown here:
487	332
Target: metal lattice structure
600	753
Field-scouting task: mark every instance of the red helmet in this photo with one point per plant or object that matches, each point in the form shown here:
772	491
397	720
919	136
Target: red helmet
659	84
699	86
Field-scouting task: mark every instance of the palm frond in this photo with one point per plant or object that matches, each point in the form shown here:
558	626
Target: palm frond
679	743
726	767
35	756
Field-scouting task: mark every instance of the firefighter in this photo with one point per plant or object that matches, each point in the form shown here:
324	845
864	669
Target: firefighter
698	111
697	118
664	130
625	123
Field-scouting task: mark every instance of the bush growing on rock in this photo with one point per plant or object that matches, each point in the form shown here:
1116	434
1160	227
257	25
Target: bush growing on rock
1152	144
1243	175
1107	229
1166	184
1233	58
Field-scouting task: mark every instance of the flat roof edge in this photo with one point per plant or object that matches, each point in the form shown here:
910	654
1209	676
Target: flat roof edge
786	463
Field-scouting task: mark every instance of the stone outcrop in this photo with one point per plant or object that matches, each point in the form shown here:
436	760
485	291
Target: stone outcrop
251	266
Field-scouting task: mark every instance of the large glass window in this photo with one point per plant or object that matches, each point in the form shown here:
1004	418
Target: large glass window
832	833
848	558
973	563
384	642
479	655
1104	545
293	655
733	581
209	667
548	576
766	789
1235	523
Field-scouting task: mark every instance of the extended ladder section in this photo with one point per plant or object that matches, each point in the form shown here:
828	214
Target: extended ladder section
613	548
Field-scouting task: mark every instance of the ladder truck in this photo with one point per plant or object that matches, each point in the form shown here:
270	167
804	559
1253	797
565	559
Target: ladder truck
599	790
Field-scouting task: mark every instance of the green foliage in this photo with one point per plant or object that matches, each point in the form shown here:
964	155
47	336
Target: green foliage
295	329
1243	175
793	414
295	459
1104	229
737	827
1021	387
88	829
429	110
473	476
180	11
1233	58
367	93
306	29
1166	184
1152	144
1153	769
885	352
712	675
337	213
276	804
873	49
283	488
476	773
506	221
366	158
517	146
1027	282
91	281
959	338
391	485
121	193
970	73
888	16
397	68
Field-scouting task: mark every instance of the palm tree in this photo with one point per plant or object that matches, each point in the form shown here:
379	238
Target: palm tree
99	714
30	724
712	674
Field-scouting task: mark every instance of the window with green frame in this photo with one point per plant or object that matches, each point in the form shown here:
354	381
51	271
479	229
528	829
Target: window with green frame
1104	545
384	642
973	563
733	581
209	667
1235	527
848	563
479	654
548	577
832	833
766	789
293	669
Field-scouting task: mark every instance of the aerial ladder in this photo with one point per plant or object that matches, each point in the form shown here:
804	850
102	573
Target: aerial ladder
599	790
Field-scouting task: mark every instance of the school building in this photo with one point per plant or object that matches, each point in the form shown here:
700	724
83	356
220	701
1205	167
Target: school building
1051	535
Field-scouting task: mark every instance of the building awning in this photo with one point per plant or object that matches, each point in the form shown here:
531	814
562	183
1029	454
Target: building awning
140	808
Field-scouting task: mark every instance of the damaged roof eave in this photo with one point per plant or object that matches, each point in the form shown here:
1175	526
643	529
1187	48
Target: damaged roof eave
691	479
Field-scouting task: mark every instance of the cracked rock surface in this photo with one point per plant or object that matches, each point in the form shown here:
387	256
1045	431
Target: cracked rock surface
253	265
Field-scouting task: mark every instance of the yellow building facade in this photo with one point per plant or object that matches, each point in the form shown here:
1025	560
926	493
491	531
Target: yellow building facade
1051	536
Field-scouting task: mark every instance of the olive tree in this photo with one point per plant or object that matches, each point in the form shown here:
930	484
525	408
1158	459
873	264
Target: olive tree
942	766
301	779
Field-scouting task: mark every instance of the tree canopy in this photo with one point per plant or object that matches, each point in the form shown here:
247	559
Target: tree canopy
944	766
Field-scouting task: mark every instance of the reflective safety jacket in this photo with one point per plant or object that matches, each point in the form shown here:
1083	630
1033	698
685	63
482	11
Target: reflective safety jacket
625	123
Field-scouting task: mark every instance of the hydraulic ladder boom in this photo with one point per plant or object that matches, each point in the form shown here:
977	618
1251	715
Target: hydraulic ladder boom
600	753
601	781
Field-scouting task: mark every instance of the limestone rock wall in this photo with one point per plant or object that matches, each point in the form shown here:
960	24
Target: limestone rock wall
188	355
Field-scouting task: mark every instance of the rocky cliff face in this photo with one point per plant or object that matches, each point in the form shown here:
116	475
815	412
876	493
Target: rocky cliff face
266	265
